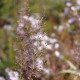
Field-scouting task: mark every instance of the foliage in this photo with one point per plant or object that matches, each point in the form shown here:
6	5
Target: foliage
55	43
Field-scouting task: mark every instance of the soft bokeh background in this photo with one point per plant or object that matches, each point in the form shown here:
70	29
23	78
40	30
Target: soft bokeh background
61	21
